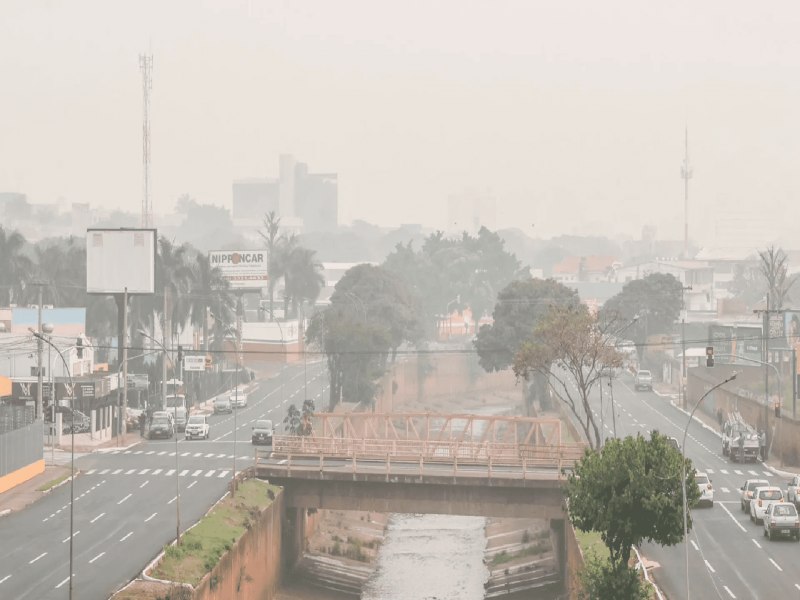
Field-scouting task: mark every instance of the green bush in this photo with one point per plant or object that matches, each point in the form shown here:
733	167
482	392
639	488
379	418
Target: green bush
602	581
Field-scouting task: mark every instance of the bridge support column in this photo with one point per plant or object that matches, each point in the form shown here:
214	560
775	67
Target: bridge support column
294	531
558	535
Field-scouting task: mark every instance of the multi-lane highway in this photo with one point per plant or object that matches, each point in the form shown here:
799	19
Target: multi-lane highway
126	500
728	556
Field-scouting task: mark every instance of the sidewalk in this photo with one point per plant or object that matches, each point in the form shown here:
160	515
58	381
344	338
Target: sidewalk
709	423
27	493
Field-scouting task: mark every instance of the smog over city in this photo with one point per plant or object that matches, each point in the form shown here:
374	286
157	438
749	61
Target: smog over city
413	300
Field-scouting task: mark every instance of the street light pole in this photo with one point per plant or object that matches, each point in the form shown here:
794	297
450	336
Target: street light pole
683	477
682	390
175	431
42	338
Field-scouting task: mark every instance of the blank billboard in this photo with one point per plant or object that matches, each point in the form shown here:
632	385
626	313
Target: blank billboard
117	259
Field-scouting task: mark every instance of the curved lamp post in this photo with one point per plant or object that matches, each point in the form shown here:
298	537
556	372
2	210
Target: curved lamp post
47	341
683	476
177	481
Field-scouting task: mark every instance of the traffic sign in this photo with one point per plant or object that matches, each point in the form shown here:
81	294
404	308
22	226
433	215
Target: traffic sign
194	362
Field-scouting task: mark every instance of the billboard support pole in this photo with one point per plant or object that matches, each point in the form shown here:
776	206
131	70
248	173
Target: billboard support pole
123	416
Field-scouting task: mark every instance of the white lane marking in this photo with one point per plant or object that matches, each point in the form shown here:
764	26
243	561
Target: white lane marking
117	471
222	474
151	452
173	500
767	473
138	451
4	578
730	514
89	472
66	579
126	536
170	472
797	585
144	471
43	554
724	490
162	453
188	487
730	593
210	473
196	473
125	498
694	545
130	471
753	472
710	568
185	453
144	484
198	454
755	541
776	565
96	557
738	472
104	471
66	539
245	457
156	471
723	471
220	456
150	517
100	516
183	473
127	452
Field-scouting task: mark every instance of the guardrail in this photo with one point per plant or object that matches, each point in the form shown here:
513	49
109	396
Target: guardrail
515	460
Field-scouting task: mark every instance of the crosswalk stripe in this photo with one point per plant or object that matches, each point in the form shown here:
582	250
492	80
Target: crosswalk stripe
220	456
725	490
90	471
198	454
767	473
222	474
117	471
183	473
170	472
245	457
144	471
127	452
210	473
196	473
710	471
738	472
185	453
157	471
723	471
162	453
210	455
104	471
151	452
139	452
129	471
753	472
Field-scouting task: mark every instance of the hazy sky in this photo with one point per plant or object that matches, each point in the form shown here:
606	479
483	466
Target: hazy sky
570	113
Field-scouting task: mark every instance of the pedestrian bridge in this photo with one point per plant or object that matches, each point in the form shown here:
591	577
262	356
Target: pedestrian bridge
425	463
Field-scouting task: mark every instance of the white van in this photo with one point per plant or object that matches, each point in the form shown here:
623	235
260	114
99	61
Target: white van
176	405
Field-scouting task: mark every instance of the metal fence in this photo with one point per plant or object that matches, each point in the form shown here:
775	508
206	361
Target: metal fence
20	447
15	417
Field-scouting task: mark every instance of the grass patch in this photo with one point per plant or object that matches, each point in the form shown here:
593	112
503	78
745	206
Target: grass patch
53	483
591	544
215	534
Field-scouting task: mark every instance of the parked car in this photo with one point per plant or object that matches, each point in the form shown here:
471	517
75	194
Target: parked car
792	490
263	431
161	426
706	489
222	404
781	520
643	380
748	489
70	420
763	497
197	427
238	397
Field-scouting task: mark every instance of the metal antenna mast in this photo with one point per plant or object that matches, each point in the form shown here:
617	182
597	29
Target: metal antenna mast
146	66
686	175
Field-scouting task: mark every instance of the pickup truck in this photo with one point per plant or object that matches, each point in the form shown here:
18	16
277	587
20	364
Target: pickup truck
643	381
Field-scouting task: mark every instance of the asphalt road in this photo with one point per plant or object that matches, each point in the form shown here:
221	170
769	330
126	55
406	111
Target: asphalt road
728	556
125	507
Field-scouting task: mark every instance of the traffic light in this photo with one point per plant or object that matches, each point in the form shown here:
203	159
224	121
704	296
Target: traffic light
709	356
79	347
180	354
208	363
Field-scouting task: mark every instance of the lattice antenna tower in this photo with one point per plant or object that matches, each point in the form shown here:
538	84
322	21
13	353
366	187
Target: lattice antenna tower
686	175
146	66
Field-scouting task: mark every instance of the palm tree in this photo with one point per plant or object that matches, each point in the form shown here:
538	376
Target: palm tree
303	276
272	226
283	256
15	267
209	291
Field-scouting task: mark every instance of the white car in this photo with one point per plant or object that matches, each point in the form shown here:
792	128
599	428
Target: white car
706	489
238	397
197	428
763	497
222	404
793	491
781	520
748	489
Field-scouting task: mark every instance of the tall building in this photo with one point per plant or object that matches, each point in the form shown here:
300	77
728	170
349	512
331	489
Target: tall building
470	211
304	201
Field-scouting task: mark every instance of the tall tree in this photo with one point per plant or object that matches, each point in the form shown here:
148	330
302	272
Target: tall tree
209	291
270	235
520	306
630	492
773	265
15	266
303	277
570	347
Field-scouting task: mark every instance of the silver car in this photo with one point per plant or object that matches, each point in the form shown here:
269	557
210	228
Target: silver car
781	520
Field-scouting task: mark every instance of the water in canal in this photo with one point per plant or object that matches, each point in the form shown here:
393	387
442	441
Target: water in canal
430	557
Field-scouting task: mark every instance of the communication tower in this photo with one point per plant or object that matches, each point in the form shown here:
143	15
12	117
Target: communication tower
146	66
686	175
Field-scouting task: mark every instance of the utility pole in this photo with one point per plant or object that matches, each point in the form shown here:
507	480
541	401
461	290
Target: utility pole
686	175
39	403
682	391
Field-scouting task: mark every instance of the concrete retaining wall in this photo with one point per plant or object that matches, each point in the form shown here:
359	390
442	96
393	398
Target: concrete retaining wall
574	556
21	454
252	568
